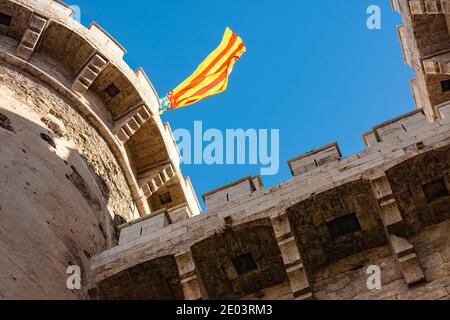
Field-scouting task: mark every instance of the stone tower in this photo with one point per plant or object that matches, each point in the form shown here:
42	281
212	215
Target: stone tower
424	37
320	234
90	177
82	149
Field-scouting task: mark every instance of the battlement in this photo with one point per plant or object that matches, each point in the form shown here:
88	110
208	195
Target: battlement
420	7
425	41
396	129
347	200
89	161
232	191
107	41
86	66
313	159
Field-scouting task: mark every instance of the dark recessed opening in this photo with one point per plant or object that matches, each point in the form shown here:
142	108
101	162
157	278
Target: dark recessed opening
344	225
5	19
435	190
165	198
49	140
5	123
112	90
244	263
445	85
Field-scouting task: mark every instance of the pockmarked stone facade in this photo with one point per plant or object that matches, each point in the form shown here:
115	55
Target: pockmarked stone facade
90	176
82	149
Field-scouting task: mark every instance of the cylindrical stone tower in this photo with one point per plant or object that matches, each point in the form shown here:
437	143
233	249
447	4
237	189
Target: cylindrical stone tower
82	149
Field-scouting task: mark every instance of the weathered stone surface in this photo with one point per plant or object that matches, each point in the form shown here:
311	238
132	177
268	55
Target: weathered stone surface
66	180
153	280
386	206
42	101
218	271
84	151
311	224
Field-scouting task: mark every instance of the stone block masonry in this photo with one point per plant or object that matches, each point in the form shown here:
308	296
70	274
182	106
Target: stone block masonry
386	206
90	176
325	226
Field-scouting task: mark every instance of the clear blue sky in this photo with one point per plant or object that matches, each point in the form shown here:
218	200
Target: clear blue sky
312	68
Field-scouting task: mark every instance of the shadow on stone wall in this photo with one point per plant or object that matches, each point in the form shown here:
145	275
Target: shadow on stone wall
53	211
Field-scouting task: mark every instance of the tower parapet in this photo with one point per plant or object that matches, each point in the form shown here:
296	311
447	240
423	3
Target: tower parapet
91	178
425	40
87	67
335	214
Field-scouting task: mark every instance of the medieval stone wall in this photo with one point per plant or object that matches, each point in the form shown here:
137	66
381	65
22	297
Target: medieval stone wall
85	160
58	192
394	197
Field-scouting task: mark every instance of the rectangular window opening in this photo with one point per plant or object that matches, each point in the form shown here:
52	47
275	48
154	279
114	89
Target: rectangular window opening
5	19
435	190
165	198
445	85
244	263
112	90
343	226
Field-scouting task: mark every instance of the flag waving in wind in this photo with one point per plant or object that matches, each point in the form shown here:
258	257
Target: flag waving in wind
210	78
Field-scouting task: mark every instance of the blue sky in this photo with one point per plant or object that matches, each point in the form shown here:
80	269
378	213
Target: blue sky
312	69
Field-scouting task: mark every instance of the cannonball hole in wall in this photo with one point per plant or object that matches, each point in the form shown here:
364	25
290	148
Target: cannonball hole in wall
49	140
5	123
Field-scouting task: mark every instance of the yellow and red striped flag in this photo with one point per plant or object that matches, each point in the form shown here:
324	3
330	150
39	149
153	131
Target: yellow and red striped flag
210	78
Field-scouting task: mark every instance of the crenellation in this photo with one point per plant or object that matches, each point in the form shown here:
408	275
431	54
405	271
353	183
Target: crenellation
106	40
398	129
369	139
258	204
443	110
425	35
148	92
117	170
406	50
144	226
55	7
85	68
231	192
419	7
313	159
